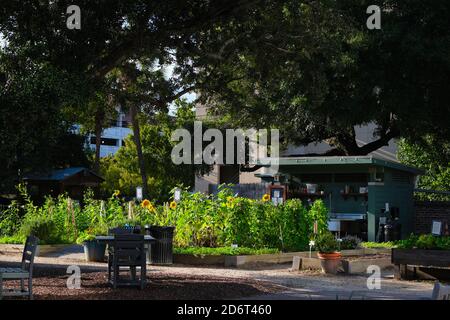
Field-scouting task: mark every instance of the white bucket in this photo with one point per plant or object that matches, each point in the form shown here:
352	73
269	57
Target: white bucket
311	188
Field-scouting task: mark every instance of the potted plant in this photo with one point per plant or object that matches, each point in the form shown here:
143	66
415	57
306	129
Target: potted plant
328	252
93	250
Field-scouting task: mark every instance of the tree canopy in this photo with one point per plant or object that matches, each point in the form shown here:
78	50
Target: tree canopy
315	71
310	68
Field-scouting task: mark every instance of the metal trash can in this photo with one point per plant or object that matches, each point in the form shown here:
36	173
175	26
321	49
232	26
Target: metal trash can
160	251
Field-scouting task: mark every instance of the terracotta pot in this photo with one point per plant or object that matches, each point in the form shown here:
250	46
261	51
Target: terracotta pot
330	262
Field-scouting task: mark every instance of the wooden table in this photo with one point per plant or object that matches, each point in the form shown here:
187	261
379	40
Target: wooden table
110	239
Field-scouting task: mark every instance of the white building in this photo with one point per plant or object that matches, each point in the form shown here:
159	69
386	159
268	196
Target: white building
112	137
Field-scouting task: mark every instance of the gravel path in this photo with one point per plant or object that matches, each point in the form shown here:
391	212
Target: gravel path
275	282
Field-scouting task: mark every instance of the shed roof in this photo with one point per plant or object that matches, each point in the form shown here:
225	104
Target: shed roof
341	160
60	174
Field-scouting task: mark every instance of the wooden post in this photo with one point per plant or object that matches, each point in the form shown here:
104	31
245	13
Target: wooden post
102	207
130	210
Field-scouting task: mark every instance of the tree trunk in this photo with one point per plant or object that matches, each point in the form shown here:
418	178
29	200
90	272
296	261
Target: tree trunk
137	142
99	117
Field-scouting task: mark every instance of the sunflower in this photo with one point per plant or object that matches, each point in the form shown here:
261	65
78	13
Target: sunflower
230	202
145	203
151	208
173	205
265	197
116	193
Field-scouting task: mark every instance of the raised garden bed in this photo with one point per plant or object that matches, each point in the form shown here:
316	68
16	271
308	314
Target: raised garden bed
42	250
350	264
245	261
405	258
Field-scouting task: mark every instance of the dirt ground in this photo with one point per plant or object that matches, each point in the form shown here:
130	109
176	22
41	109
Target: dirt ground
194	282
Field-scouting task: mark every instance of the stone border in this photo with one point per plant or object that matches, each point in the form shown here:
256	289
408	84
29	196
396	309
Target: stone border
276	258
243	261
42	250
347	266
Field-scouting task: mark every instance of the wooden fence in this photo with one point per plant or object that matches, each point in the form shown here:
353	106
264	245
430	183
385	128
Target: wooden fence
248	190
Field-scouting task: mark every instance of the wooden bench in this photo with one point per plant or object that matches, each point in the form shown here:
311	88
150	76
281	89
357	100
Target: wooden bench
22	273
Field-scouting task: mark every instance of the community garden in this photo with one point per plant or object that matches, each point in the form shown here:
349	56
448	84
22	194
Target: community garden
201	221
222	224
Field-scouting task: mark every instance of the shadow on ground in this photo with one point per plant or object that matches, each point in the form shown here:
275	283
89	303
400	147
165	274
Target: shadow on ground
50	283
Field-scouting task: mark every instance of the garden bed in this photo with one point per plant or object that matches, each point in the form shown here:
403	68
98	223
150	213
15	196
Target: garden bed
353	264
402	258
42	250
245	261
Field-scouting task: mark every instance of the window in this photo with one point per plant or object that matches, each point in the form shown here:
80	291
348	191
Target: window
105	141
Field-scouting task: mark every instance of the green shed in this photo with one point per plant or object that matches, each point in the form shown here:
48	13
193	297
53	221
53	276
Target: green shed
358	190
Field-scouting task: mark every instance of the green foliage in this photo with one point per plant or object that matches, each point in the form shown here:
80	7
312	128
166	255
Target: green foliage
433	156
425	241
227	251
325	242
121	171
32	96
9	219
42	227
16	239
85	237
375	245
319	213
200	220
223	220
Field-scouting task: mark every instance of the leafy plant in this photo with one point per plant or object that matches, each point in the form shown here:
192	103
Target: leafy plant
229	251
42	227
16	239
90	233
427	241
325	242
85	237
375	245
350	242
10	220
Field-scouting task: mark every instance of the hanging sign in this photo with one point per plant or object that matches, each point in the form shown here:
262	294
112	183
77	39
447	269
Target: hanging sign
436	228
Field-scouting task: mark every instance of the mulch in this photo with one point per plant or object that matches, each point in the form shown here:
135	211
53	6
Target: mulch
51	284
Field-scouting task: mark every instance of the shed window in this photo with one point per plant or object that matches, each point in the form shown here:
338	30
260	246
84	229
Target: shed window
400	177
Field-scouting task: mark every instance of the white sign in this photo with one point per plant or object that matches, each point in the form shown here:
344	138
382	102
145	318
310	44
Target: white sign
139	193
276	194
436	228
177	195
